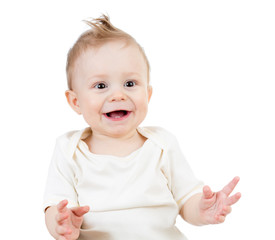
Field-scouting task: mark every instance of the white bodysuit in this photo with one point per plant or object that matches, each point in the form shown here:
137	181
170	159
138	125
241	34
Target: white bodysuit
136	197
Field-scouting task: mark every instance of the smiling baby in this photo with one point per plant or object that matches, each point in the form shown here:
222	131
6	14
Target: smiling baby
114	179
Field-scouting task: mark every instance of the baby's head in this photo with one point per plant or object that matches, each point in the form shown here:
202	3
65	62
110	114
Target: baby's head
101	32
108	79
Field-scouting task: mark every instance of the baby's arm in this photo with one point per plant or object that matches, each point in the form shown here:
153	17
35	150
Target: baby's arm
64	223
209	207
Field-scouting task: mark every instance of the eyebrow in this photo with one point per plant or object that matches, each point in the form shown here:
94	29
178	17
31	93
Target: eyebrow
131	73
105	75
98	76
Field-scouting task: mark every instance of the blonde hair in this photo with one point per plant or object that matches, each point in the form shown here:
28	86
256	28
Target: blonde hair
102	31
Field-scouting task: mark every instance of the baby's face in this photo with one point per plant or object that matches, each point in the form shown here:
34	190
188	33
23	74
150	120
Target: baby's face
111	88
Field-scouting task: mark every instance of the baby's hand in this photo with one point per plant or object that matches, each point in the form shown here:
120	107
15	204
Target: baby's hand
69	221
214	207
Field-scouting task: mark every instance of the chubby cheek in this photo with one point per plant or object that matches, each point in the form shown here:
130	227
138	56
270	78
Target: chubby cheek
90	110
142	105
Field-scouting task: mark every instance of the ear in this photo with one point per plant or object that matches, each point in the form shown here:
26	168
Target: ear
150	90
73	101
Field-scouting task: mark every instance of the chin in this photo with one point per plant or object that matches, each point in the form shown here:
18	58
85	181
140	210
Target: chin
121	131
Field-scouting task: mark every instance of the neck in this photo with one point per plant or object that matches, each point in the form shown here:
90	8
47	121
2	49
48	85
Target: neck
117	146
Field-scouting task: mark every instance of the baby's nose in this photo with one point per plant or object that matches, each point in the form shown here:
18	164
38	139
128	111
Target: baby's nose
118	95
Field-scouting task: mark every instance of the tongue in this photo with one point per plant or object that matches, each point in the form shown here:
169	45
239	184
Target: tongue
117	114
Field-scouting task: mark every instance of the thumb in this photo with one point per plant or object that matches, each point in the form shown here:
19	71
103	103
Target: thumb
208	198
80	211
207	192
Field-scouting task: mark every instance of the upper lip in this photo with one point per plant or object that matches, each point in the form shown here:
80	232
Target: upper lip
117	110
117	106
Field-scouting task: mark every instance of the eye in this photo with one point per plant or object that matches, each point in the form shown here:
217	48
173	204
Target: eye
130	84
100	85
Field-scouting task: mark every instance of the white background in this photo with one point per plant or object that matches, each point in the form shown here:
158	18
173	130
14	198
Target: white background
213	75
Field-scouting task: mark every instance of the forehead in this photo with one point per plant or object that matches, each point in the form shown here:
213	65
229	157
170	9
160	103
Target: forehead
111	58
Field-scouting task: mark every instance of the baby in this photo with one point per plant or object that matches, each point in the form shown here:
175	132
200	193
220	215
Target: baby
117	180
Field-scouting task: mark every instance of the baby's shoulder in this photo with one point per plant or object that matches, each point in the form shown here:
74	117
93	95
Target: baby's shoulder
68	141
65	138
159	135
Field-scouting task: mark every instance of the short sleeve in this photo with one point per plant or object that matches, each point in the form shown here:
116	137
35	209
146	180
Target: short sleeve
182	181
60	181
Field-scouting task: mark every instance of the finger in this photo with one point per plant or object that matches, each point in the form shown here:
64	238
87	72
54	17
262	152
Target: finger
230	186
207	192
62	238
62	230
226	210
220	218
80	211
61	217
233	199
62	205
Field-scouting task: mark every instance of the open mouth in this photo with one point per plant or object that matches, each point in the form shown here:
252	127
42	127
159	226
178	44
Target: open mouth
117	115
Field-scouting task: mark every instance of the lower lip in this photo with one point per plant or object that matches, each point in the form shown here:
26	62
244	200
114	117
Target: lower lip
118	119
